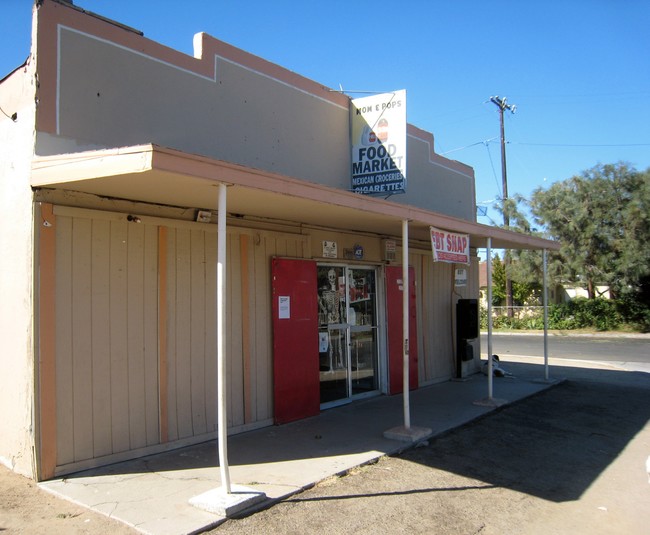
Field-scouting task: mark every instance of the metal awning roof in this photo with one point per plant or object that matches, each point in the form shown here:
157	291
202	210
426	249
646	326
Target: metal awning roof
153	174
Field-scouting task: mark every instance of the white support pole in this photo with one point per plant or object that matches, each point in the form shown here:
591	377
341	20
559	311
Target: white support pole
406	433
405	322
489	314
546	374
490	401
222	501
222	414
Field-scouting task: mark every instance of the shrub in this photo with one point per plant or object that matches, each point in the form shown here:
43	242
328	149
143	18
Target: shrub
580	313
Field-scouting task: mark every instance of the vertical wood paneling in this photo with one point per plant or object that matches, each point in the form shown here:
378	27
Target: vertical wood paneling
211	375
246	332
418	267
183	349
119	332
135	335
64	392
249	355
172	405
81	342
106	284
197	330
437	335
264	354
113	348
163	305
151	333
235	364
101	342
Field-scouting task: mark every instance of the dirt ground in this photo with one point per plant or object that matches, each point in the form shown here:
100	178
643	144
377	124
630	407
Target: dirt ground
25	508
570	460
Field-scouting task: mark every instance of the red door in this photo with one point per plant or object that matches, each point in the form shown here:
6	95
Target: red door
296	384
395	324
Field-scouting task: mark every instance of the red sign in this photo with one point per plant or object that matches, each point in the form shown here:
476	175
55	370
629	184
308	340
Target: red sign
449	247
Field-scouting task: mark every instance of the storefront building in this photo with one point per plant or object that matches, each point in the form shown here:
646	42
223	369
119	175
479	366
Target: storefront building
111	173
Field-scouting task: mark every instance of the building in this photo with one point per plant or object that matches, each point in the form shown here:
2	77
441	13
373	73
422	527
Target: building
115	150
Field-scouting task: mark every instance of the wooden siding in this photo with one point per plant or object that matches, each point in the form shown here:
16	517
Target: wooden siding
191	327
106	343
435	280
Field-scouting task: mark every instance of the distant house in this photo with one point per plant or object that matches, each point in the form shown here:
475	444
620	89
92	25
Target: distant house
571	292
556	293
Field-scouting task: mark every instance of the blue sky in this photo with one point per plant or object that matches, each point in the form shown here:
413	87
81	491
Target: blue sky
577	70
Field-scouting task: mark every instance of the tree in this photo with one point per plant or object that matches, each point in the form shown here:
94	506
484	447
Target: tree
602	220
525	268
521	291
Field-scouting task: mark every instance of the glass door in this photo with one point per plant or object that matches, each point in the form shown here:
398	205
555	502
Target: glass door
347	333
362	320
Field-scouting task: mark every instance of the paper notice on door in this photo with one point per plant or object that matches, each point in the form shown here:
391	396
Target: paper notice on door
323	342
284	307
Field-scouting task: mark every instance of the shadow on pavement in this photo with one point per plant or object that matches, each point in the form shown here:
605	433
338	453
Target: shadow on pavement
553	445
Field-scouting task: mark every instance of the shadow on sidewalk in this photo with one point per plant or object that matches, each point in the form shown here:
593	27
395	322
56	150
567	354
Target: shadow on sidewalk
553	445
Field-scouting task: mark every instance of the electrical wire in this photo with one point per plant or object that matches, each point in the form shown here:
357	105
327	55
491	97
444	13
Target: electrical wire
494	173
580	145
468	146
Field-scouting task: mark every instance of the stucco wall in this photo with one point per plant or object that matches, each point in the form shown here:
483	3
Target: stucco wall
114	88
16	270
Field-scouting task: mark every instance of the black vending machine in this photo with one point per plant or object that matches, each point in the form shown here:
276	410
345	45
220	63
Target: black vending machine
467	328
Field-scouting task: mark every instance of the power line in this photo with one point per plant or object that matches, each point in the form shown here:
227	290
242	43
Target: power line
468	146
494	173
580	145
586	145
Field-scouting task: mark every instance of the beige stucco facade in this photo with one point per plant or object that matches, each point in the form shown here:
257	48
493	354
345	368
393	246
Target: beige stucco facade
17	358
109	310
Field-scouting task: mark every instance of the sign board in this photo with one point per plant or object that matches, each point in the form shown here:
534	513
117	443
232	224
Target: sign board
330	250
378	127
460	277
449	246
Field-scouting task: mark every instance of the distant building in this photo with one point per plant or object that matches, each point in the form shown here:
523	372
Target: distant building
556	293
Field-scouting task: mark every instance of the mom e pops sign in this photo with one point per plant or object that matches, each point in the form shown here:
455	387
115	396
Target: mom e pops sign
378	127
449	246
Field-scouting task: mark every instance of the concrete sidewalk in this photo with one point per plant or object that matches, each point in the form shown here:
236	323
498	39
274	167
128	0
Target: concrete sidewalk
152	493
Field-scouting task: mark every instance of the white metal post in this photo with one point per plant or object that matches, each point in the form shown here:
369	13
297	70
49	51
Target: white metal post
221	500
222	418
489	313
405	321
546	375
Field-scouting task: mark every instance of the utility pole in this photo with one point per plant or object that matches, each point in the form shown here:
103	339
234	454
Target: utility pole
503	105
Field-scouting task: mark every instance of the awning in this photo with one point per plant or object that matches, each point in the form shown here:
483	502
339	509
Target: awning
153	174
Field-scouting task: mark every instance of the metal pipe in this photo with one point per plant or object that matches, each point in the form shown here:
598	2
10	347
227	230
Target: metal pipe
489	313
405	322
222	418
546	374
